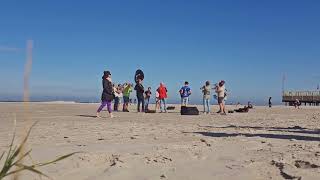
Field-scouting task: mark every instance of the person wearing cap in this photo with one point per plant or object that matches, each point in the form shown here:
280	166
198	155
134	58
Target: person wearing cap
107	94
221	93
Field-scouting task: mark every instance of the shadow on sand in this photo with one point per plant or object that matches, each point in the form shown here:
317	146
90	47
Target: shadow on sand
87	116
271	136
294	129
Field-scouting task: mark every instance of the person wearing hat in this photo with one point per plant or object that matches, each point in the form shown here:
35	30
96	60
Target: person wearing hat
221	93
107	94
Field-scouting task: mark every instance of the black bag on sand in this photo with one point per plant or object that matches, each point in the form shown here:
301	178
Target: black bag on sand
150	111
171	108
189	110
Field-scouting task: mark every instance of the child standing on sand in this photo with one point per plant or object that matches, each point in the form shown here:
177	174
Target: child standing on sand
185	92
107	94
206	90
140	91
126	96
148	94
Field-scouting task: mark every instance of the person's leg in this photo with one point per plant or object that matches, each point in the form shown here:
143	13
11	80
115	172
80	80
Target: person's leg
115	105
223	108
204	105
109	104
208	105
139	102
165	105
146	104
161	105
187	101
183	101
103	104
142	105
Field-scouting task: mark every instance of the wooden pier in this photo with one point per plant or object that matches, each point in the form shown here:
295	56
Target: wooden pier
311	98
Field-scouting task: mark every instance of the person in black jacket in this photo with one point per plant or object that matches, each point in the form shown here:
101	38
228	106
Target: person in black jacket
140	91
107	93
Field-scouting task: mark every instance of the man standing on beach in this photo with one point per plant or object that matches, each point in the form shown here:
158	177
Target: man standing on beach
206	90
221	92
162	90
140	91
185	92
126	96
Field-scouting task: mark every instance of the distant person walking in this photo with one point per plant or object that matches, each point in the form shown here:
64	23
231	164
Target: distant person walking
270	102
221	93
107	94
206	90
185	92
148	94
126	96
162	90
140	91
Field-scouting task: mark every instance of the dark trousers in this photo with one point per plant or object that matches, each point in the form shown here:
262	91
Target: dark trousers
140	102
147	104
116	103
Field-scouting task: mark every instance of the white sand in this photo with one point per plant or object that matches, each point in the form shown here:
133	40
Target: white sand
261	144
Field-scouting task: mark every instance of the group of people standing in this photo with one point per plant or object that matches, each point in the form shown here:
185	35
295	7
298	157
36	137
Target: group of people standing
115	93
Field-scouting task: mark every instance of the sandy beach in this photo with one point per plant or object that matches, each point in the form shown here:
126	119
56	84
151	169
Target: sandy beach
276	143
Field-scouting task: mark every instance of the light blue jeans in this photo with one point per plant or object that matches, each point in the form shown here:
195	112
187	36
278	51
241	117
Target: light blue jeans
184	101
163	106
206	105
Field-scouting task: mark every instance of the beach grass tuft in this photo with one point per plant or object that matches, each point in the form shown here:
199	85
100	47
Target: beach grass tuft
14	164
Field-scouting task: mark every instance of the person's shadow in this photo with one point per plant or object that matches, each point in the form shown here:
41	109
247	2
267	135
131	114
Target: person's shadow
87	116
272	136
294	129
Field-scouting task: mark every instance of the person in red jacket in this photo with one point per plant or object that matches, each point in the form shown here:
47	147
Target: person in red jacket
162	90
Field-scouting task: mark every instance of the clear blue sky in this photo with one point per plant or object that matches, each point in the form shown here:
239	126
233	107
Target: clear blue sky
248	43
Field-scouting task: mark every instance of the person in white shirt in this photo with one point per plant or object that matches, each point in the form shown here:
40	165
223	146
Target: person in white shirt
221	93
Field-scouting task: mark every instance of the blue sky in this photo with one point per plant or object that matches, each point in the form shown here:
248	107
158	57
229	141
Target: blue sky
248	43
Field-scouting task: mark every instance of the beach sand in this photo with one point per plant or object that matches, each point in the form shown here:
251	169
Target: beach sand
276	143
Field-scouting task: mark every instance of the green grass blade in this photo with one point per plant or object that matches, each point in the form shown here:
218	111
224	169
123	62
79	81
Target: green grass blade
56	160
22	157
10	146
1	155
15	154
27	168
32	169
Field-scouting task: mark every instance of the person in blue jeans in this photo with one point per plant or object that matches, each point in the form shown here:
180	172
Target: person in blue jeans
185	92
206	90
